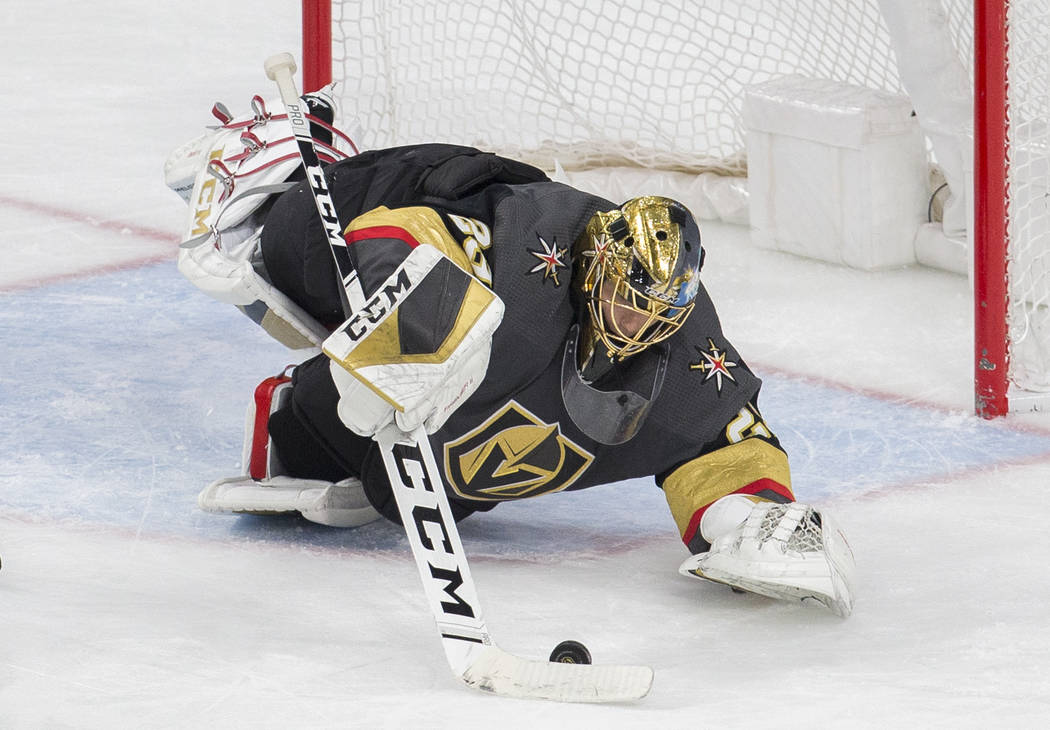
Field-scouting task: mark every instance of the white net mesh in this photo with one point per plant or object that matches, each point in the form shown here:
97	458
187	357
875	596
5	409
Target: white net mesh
645	82
1029	197
659	84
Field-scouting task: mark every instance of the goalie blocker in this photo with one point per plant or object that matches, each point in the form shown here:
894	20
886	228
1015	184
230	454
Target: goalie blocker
417	349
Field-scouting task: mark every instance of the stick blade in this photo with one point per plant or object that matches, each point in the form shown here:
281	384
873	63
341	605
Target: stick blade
277	62
499	672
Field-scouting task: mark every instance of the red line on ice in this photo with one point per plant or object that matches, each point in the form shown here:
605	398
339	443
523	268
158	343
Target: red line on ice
887	396
121	227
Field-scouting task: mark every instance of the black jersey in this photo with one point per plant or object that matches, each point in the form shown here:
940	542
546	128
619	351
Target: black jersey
514	230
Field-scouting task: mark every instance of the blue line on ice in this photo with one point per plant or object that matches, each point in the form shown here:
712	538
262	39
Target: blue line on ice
123	395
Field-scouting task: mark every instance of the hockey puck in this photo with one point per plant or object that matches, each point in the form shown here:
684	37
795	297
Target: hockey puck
571	652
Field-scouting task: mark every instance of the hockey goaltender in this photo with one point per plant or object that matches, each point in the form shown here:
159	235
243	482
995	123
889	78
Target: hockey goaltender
602	359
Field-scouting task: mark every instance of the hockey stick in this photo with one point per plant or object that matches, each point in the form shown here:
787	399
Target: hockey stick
424	508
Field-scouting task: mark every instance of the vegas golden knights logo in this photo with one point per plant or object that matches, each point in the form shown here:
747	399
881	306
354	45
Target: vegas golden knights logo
512	455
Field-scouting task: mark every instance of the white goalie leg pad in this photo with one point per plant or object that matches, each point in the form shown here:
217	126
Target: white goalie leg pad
264	488
786	551
342	504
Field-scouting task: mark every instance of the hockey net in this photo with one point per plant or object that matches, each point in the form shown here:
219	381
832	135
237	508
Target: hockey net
654	84
657	84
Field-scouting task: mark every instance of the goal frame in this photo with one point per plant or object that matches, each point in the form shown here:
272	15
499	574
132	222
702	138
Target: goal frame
990	196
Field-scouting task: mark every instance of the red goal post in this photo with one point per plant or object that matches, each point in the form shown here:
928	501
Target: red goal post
991	195
418	69
317	44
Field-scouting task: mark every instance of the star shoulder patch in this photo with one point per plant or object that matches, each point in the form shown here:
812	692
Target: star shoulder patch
552	259
713	364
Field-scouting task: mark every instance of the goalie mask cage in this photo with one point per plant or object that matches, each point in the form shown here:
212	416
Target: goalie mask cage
659	85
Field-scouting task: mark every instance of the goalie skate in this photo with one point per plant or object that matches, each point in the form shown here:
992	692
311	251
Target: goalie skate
786	551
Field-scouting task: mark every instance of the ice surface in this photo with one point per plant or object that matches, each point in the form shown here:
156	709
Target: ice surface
122	392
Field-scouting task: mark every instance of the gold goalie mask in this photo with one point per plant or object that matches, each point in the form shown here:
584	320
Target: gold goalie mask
639	271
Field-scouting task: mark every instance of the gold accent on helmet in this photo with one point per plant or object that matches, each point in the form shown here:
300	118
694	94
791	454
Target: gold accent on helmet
639	271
